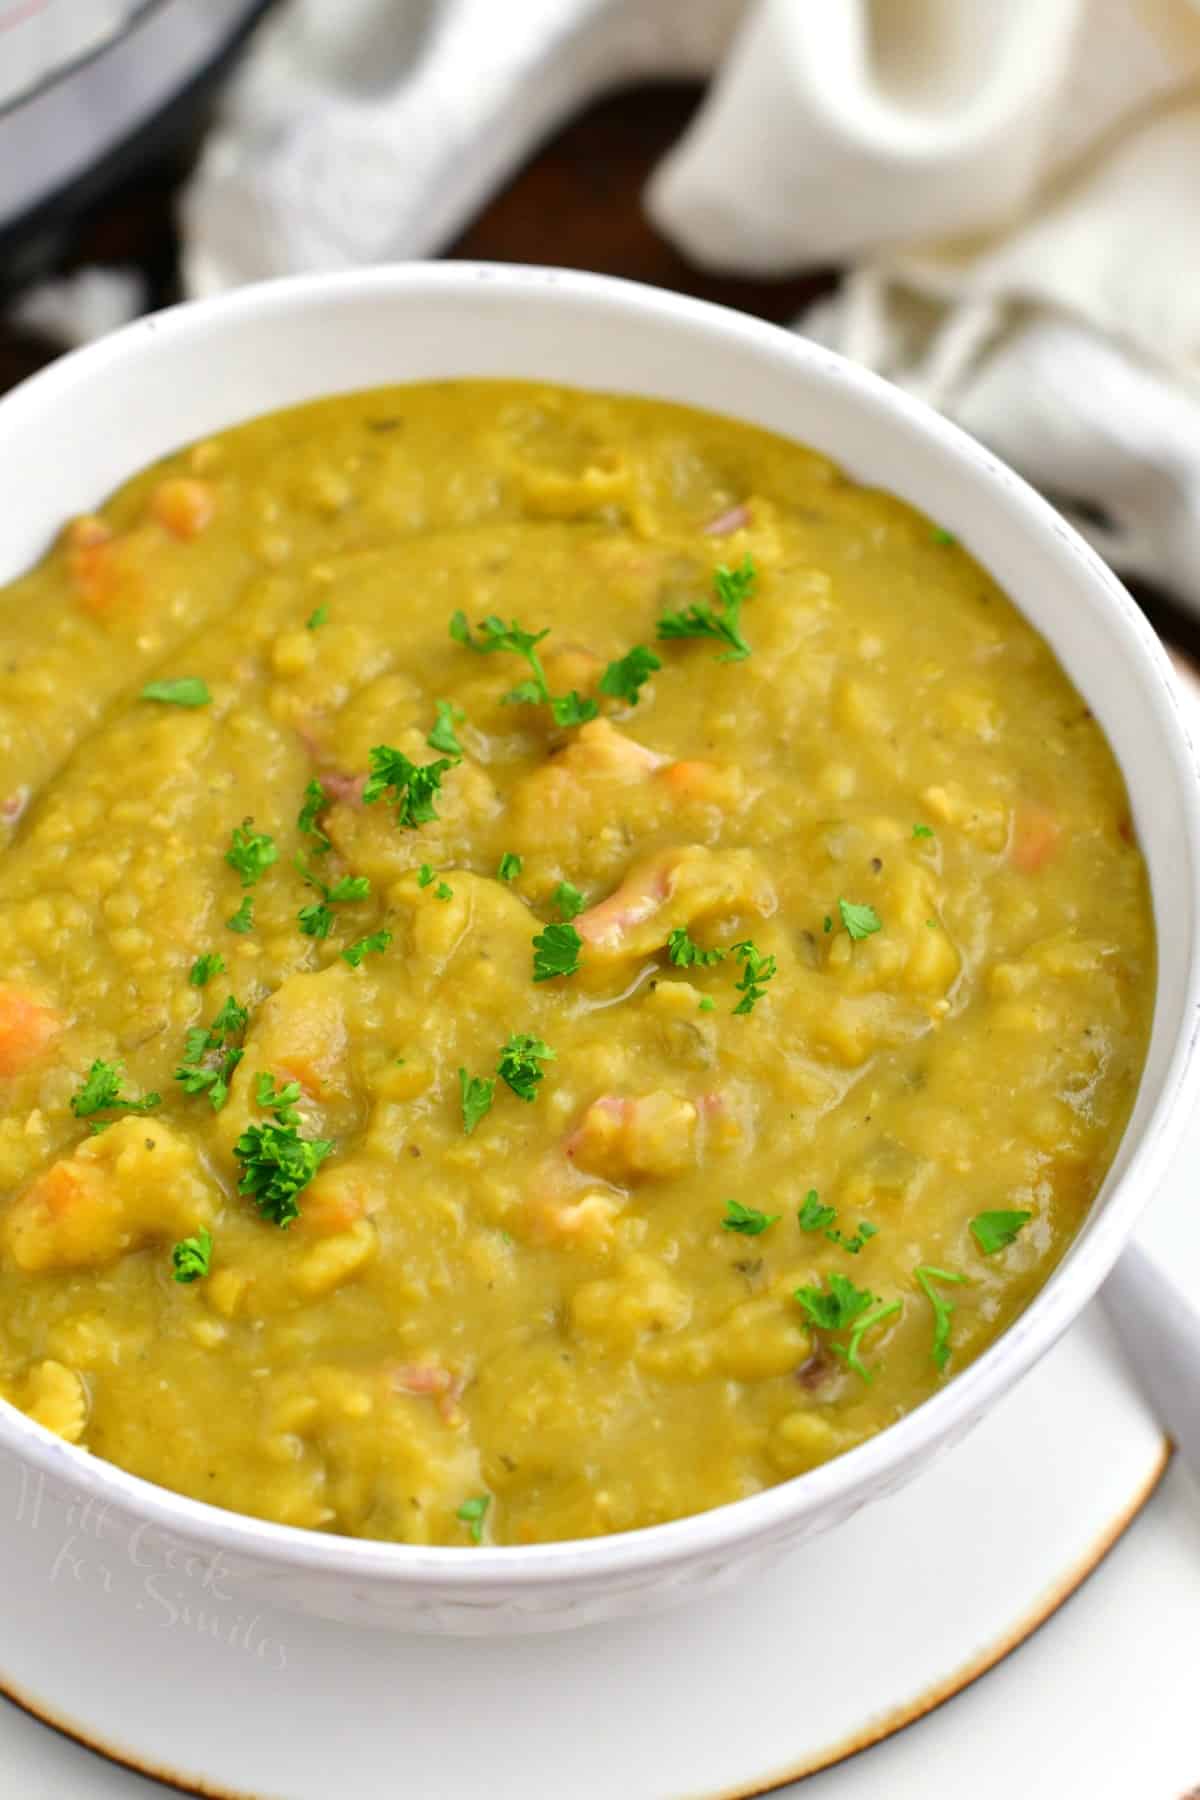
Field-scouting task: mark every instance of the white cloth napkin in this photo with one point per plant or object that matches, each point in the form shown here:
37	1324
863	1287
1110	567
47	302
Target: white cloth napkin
1015	186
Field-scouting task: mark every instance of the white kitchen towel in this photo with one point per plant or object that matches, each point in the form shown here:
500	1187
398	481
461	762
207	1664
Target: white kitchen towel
1015	188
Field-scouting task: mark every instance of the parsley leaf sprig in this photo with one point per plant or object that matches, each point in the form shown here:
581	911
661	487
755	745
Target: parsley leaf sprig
316	799
510	866
374	944
625	678
442	736
192	1257
759	969
243	919
849	1353
732	587
185	690
209	1058
943	1309
837	1306
518	1064
477	1093
860	921
472	1512
251	853
569	900
812	1216
995	1231
494	634
317	919
556	952
685	953
281	1101
746	1220
277	1165
844	1307
411	785
205	967
101	1092
277	1162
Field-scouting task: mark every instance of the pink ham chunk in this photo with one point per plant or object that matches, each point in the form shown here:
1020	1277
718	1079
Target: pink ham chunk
670	889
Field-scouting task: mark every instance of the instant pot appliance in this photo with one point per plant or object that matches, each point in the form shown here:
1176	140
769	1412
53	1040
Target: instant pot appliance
90	87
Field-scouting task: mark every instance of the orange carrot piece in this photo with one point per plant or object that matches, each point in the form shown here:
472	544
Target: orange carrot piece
26	1028
1035	838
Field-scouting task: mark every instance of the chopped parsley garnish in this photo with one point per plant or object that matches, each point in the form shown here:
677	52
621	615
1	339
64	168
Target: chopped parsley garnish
943	1310
251	853
281	1101
206	966
625	678
510	866
685	953
707	1003
317	617
477	1092
860	921
572	708
277	1164
371	945
746	1219
209	1059
442	736
828	923
231	1019
101	1092
812	1216
994	1231
837	1307
849	1352
315	802
518	1065
922	831
425	875
187	690
243	918
568	900
939	535
192	1257
411	785
443	891
758	971
732	587
472	1512
317	919
556	952
494	634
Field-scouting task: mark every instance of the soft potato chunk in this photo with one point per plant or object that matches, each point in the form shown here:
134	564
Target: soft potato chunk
635	1139
136	1182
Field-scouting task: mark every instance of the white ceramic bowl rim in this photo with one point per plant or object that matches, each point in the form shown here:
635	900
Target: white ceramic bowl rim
865	1469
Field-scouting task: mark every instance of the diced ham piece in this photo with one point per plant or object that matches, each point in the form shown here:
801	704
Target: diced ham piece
674	888
346	788
734	519
434	1380
600	751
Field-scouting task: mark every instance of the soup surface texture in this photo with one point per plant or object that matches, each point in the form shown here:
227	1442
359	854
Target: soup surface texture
562	963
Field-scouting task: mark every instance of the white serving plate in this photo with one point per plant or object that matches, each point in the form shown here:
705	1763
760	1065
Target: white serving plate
72	433
842	1643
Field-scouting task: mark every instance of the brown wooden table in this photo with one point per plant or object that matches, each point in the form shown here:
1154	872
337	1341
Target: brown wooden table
576	203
